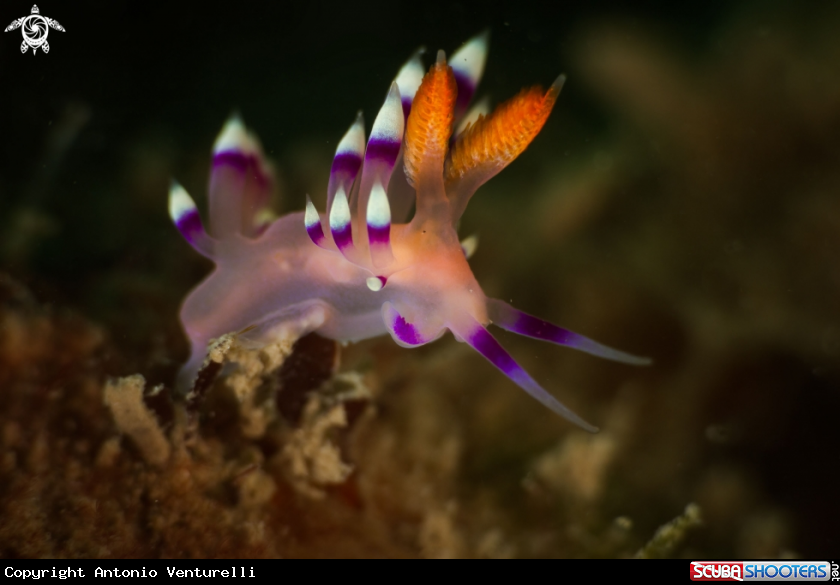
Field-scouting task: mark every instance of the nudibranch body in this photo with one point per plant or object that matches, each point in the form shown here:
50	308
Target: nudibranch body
366	269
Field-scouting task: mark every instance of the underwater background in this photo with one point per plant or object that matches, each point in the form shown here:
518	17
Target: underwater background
682	202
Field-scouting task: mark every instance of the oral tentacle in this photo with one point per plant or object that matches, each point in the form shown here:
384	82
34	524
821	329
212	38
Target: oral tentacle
312	221
240	182
379	227
484	343
468	66
347	160
184	214
505	316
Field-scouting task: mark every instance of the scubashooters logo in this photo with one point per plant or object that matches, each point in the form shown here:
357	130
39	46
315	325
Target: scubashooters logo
797	571
35	29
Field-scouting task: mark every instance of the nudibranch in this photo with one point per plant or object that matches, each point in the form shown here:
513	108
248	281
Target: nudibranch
367	267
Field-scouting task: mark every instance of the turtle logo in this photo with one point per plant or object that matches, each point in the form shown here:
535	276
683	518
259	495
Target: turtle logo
35	29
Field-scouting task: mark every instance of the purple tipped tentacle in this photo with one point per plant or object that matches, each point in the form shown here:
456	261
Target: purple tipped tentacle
484	343
400	193
379	227
348	160
241	182
468	66
408	79
341	226
184	214
383	148
516	321
312	221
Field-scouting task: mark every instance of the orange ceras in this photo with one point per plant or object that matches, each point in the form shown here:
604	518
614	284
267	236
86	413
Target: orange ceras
496	140
430	124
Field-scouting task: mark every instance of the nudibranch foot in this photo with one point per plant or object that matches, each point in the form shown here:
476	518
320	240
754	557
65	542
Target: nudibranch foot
289	322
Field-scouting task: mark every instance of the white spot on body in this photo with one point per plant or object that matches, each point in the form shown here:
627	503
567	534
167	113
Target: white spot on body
374	284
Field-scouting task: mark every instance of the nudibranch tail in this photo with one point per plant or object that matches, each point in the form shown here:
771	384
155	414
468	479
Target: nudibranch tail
491	143
184	214
503	315
241	182
472	332
468	67
347	160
